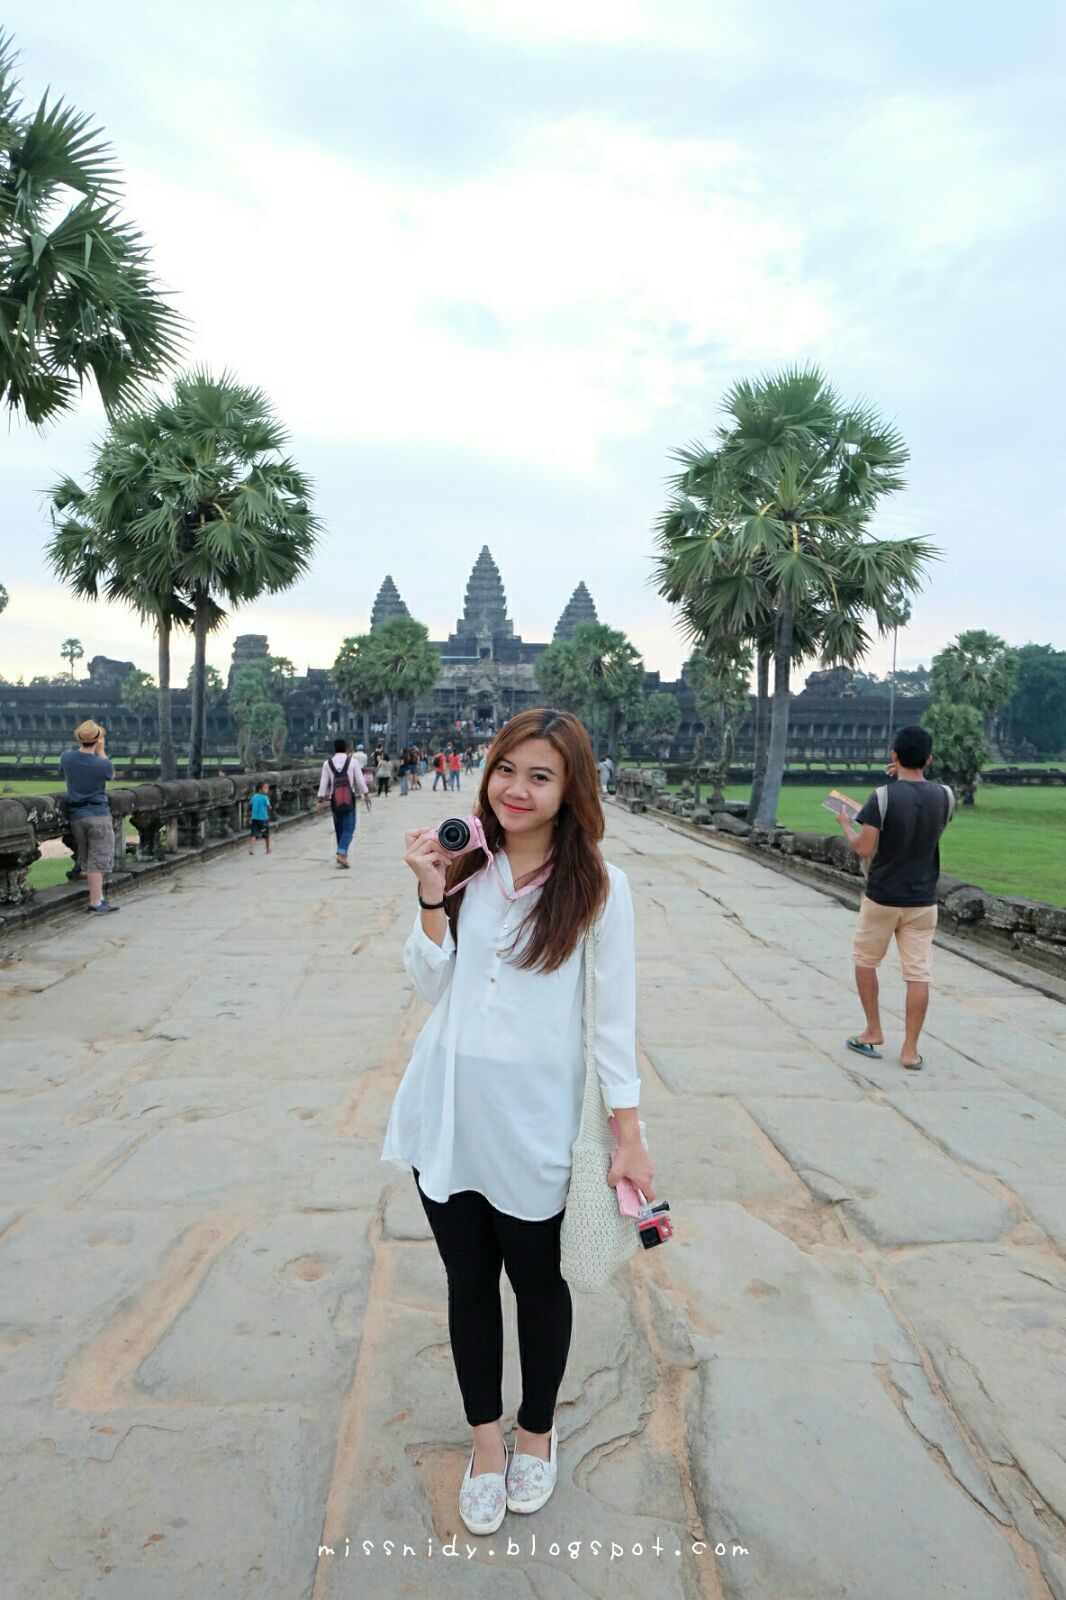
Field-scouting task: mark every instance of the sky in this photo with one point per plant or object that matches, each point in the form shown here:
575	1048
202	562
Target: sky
493	260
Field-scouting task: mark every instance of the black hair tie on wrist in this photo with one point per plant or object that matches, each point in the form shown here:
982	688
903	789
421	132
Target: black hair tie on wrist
439	906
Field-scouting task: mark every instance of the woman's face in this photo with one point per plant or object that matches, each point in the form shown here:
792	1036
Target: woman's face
527	787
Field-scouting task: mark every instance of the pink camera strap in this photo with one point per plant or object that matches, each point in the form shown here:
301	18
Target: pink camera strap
491	864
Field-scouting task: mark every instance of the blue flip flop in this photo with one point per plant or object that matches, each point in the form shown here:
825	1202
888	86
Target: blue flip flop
860	1049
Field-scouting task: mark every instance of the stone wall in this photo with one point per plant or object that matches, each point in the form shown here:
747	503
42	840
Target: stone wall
1029	930
173	822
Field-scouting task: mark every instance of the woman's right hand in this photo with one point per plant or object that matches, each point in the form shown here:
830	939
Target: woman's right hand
427	861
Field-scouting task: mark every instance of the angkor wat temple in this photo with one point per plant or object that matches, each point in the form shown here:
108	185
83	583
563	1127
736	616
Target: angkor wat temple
488	672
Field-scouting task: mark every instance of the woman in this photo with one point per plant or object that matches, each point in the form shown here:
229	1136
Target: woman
490	1104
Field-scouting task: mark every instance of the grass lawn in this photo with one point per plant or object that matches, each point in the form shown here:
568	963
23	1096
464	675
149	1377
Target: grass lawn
1013	841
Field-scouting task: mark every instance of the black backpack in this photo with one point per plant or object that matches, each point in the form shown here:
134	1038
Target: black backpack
342	797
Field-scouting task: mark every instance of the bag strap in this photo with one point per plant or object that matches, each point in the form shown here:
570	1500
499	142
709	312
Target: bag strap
882	802
951	802
594	1122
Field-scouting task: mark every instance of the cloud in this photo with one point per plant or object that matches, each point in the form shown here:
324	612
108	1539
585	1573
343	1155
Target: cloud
598	255
684	24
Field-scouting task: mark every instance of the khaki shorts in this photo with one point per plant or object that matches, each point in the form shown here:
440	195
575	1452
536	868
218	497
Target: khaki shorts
95	839
913	927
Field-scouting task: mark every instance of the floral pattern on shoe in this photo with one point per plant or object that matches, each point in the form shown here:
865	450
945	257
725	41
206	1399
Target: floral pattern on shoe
483	1500
530	1479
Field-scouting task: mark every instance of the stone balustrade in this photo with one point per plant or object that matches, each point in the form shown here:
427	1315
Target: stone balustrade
1029	930
171	820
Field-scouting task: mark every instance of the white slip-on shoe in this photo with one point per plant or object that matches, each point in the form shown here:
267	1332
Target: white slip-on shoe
483	1500
530	1480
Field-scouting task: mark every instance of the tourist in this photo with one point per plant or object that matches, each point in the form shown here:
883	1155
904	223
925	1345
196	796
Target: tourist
417	767
359	756
604	769
87	770
260	817
489	1107
898	831
454	768
384	772
341	780
439	773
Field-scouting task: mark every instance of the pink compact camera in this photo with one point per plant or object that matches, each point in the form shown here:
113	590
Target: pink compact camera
460	835
652	1221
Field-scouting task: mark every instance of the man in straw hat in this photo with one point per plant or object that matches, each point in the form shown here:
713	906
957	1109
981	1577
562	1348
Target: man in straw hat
87	770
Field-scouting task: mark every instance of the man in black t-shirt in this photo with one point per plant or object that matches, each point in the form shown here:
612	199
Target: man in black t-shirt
898	832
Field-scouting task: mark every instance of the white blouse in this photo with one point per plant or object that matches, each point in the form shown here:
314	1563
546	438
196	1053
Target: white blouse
491	1098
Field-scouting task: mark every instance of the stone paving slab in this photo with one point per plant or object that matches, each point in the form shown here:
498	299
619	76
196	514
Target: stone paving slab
1015	1139
815	1447
223	1321
880	1171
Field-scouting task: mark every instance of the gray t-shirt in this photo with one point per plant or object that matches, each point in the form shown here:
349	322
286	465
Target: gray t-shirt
86	777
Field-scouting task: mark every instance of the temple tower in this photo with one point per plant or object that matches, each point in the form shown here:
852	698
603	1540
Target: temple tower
485	606
247	647
387	604
579	608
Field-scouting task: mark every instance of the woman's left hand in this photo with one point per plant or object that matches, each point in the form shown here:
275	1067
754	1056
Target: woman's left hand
632	1161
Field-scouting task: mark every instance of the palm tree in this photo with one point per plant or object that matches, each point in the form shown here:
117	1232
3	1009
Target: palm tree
3	597
596	671
357	676
899	616
719	676
660	717
977	669
139	695
71	651
218	519
92	550
775	521
77	298
404	665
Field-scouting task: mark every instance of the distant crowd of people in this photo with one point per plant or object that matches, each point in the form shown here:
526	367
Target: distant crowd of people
411	765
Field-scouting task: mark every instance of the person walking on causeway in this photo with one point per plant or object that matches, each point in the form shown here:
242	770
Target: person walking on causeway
341	781
488	1109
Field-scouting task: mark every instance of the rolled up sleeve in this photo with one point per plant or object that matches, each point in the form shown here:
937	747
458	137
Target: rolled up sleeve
429	966
616	997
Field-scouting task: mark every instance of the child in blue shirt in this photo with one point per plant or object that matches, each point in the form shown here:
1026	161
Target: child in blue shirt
260	817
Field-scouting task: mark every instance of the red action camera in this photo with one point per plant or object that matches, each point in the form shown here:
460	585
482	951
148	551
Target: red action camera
654	1225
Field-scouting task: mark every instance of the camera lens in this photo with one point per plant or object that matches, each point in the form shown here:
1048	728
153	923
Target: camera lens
454	835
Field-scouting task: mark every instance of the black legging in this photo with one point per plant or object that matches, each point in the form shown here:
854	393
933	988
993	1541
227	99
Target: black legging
474	1240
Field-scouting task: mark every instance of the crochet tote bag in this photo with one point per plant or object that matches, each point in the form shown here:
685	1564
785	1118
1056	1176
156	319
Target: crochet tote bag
595	1239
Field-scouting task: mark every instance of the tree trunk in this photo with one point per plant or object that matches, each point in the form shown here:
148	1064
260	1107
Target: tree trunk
613	734
766	815
762	700
168	765
197	708
725	756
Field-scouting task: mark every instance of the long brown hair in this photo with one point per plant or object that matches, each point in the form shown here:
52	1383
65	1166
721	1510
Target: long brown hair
577	887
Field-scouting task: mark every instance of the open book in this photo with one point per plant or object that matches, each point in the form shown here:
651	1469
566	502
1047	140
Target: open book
842	805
